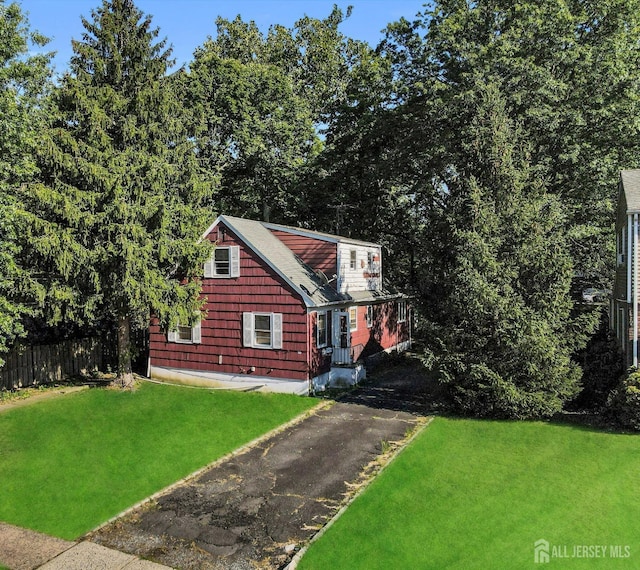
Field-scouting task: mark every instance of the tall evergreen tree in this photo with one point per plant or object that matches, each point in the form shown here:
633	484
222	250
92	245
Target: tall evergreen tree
504	323
123	203
23	82
569	76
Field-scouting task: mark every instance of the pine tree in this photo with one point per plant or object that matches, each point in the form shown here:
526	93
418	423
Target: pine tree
504	319
118	217
23	82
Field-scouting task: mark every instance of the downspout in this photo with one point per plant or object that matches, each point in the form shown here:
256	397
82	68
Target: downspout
629	253
410	313
309	356
635	290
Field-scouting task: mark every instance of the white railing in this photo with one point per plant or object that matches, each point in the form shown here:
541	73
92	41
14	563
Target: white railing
346	356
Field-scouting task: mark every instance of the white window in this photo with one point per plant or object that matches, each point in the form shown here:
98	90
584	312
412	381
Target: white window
262	330
185	334
224	262
369	316
620	246
353	318
322	325
352	260
402	311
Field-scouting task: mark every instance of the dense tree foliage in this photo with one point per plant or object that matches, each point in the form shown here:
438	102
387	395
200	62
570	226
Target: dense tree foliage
260	104
503	328
566	74
23	82
480	143
122	202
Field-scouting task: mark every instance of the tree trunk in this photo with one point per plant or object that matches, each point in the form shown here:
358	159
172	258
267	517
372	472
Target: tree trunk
124	376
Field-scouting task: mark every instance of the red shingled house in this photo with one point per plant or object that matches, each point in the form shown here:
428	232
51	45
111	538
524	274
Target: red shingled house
288	310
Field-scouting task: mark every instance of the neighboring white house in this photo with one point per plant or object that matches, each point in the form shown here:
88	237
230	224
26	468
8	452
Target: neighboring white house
624	302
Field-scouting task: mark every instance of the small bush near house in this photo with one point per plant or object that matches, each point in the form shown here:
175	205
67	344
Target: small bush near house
602	367
623	405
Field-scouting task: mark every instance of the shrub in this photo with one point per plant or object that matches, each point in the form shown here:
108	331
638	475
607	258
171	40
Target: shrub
602	367
623	405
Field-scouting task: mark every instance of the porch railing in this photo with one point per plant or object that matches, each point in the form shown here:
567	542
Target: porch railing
346	356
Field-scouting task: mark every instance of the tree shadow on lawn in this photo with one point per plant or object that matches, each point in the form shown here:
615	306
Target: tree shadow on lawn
401	383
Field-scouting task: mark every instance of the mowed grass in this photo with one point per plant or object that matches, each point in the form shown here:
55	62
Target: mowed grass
478	494
72	462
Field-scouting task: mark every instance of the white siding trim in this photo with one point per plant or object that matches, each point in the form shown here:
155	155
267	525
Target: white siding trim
629	254
635	290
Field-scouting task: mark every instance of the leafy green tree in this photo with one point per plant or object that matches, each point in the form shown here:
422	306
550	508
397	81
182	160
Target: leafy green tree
252	131
117	220
23	82
260	104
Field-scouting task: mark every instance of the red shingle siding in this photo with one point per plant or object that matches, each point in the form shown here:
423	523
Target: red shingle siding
386	331
258	289
320	363
315	253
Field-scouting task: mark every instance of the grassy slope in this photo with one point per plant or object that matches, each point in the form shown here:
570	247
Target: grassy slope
70	463
472	494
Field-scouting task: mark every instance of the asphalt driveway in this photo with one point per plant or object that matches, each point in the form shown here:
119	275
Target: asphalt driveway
260	507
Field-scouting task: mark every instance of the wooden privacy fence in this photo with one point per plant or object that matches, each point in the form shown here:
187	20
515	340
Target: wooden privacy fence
27	365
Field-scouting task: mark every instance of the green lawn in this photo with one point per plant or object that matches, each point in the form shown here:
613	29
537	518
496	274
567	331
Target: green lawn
477	494
70	463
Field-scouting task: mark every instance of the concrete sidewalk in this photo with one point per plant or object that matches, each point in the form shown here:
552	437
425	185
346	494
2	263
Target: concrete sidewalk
23	549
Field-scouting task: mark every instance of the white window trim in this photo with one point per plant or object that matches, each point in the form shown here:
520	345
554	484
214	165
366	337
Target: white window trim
196	334
248	330
234	263
326	329
353	259
351	328
402	310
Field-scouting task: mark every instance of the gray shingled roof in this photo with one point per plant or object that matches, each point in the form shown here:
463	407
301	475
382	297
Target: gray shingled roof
631	189
280	258
292	269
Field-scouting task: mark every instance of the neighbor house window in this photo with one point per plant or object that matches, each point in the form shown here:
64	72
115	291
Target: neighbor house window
369	316
186	334
323	329
353	318
352	260
262	330
402	311
224	262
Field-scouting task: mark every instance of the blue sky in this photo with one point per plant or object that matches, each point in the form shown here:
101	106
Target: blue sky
187	23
